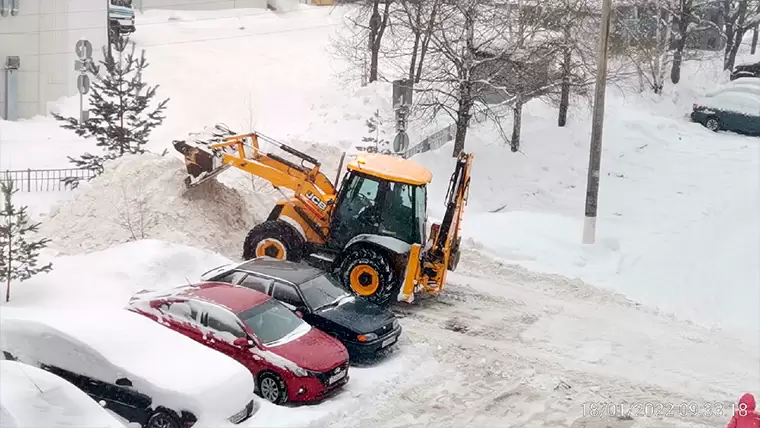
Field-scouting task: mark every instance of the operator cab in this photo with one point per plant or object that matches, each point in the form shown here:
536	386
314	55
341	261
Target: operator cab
382	195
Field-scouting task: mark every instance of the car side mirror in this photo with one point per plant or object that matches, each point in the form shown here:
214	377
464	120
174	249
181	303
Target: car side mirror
243	342
123	382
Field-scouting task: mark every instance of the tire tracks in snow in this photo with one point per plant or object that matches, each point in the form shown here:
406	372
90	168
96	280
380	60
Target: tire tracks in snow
494	360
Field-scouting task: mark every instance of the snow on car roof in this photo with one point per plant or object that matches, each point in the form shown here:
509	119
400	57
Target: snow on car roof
32	397
173	369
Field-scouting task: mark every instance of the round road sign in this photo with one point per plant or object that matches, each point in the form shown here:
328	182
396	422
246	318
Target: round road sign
84	49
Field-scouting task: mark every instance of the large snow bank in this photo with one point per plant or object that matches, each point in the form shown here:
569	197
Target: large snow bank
110	277
143	196
32	397
115	342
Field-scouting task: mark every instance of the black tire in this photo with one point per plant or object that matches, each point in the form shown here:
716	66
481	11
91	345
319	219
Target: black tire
369	274
274	238
712	123
162	419
272	388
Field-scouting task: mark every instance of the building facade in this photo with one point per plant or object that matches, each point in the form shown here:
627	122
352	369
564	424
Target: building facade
37	51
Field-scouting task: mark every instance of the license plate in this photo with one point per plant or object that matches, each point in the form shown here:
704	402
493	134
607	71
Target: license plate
388	342
338	377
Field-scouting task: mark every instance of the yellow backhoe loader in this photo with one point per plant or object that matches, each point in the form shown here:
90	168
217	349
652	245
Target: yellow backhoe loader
370	231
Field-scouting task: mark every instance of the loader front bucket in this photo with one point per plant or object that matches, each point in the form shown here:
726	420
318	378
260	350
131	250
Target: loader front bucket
197	161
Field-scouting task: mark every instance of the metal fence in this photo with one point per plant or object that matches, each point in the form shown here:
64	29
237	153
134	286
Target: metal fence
44	180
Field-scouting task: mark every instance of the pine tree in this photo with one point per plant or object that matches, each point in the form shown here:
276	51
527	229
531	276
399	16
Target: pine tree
18	256
375	135
121	118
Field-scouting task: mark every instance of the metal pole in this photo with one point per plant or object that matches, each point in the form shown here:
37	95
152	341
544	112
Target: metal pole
595	152
81	106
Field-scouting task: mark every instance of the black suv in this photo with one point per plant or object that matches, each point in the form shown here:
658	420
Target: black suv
362	326
746	70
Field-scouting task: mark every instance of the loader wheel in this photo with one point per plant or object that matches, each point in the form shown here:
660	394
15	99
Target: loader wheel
369	274
273	238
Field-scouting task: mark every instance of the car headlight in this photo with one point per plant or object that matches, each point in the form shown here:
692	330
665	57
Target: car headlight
367	337
395	324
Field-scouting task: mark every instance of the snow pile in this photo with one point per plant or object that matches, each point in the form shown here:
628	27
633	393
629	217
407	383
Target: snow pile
110	277
143	196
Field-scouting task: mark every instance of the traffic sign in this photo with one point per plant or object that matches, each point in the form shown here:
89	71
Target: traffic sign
84	49
401	142
83	83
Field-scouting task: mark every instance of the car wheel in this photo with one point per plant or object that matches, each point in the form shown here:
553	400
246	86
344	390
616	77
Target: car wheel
162	419
273	238
712	124
369	274
272	388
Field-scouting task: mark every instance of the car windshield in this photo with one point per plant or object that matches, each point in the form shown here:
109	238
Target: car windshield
271	321
321	291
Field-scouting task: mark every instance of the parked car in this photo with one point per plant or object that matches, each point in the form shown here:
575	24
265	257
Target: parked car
364	327
746	70
142	372
290	360
31	397
731	109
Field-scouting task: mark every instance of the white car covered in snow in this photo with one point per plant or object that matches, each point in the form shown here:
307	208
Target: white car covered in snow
31	398
143	372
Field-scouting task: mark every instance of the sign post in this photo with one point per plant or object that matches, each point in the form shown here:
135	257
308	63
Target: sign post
402	101
83	65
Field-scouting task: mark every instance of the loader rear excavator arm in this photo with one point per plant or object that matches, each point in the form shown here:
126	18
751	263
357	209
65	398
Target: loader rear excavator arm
310	186
428	266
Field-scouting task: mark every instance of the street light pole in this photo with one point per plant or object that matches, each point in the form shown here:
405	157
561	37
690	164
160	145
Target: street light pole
595	152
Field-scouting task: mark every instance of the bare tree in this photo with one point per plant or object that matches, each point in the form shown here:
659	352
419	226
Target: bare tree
418	16
687	19
647	38
737	21
577	22
132	212
476	57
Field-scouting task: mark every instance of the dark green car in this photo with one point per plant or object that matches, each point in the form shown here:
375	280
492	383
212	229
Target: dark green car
733	109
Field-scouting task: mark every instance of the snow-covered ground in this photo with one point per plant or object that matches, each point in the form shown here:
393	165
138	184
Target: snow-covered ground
515	340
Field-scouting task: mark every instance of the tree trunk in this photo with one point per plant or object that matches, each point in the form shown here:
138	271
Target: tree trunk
413	61
682	28
426	42
564	100
516	124
731	60
753	49
377	27
463	121
374	30
734	31
8	289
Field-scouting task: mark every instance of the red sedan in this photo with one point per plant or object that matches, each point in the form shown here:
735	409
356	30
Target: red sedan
290	360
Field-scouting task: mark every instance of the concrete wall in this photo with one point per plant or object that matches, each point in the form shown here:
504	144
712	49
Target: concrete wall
43	35
198	4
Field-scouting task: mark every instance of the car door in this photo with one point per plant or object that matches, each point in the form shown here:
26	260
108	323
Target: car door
233	277
184	316
747	108
289	296
262	285
222	328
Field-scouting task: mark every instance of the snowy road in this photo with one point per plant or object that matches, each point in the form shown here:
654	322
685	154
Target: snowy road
519	349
